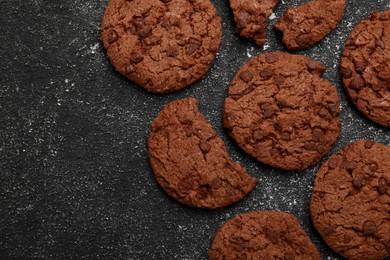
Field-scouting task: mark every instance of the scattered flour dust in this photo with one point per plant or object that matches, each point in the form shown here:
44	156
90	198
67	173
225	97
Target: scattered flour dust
93	48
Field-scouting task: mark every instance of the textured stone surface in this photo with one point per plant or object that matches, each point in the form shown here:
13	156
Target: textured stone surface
75	179
350	204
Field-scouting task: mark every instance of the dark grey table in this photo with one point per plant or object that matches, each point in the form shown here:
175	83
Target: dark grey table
75	181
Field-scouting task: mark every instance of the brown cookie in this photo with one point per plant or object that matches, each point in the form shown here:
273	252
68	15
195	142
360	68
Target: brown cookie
162	45
251	18
280	110
350	203
365	67
262	235
305	25
190	161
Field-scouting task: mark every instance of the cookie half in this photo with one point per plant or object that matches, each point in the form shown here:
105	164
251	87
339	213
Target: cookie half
262	235
350	203
161	45
280	110
190	160
251	18
305	25
365	67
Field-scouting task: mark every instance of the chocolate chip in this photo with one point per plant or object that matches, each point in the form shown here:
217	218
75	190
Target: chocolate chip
317	134
382	186
129	68
144	30
192	46
242	20
368	144
334	110
246	76
216	183
202	193
165	1
271	58
360	65
314	66
286	136
369	228
356	83
257	135
380	44
346	73
289	256
373	166
333	163
266	73
358	180
172	52
243	256
268	110
322	194
136	58
213	47
112	37
303	40
376	87
279	80
350	165
186	185
272	235
205	147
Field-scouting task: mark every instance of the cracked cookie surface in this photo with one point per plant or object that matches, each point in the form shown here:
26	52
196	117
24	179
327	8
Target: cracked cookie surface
280	110
162	45
365	67
190	160
262	235
251	18
305	25
350	203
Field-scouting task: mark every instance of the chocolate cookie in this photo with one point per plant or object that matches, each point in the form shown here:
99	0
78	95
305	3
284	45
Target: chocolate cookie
190	161
305	25
350	203
280	110
162	45
251	18
262	235
365	67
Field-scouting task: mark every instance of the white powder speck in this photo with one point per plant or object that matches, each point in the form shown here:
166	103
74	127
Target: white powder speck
266	46
249	52
272	16
66	81
93	48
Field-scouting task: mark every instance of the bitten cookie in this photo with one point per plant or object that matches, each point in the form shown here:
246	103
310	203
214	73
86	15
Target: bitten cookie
280	110
350	203
251	18
365	67
162	45
262	235
305	25
190	161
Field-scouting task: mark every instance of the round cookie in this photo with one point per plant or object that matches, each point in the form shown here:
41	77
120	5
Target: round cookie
190	160
365	67
305	25
350	203
251	18
280	110
262	235
162	45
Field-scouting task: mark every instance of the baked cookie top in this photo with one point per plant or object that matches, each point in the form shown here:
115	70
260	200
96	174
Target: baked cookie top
162	45
262	235
251	18
305	25
365	67
350	203
280	110
190	160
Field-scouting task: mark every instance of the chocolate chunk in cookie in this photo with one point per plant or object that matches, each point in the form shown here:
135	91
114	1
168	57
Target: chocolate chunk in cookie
262	235
365	67
190	161
251	18
305	25
161	45
284	114
350	203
